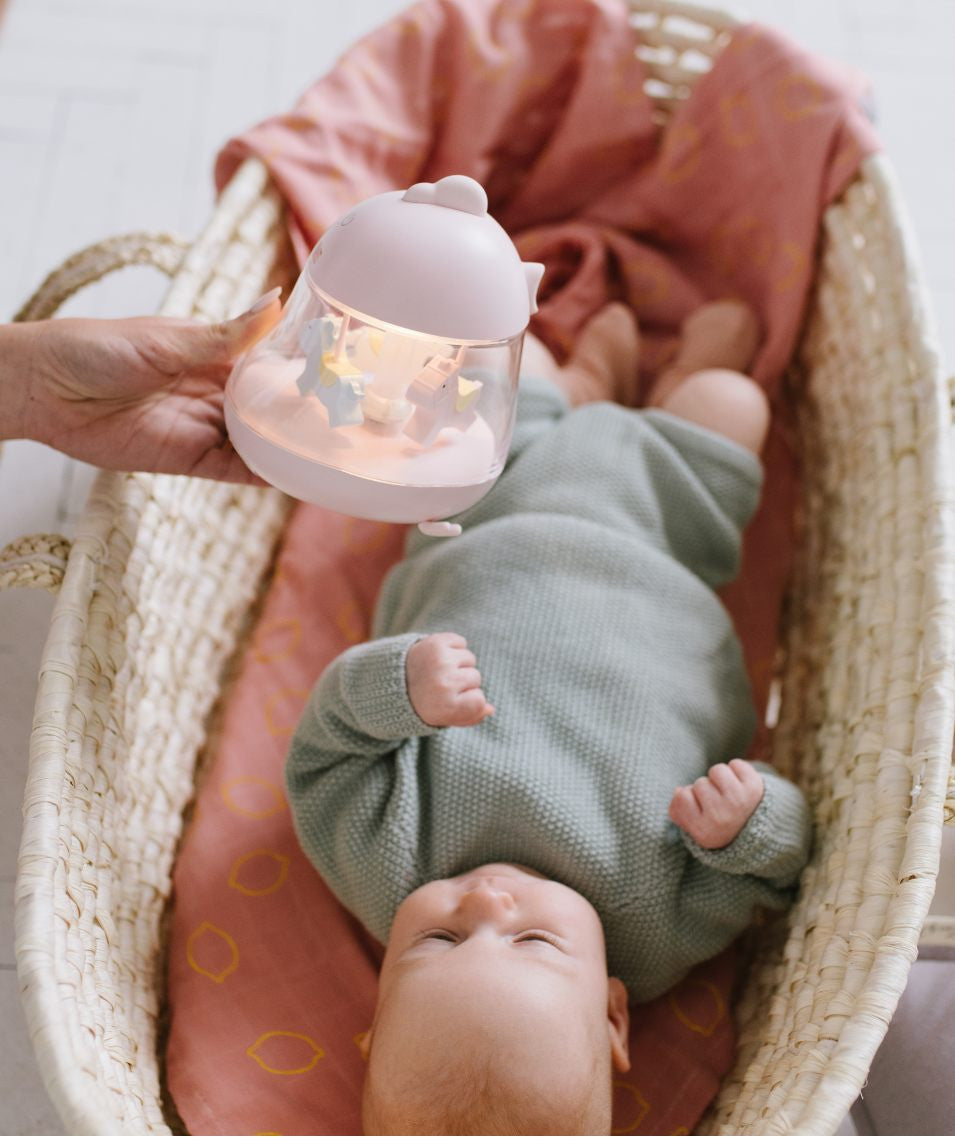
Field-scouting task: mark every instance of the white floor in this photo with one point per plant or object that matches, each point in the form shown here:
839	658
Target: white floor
111	112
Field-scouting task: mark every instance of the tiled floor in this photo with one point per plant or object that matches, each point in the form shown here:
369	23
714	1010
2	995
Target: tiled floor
110	114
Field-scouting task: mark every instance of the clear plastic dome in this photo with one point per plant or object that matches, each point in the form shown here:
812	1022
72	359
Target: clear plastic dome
338	408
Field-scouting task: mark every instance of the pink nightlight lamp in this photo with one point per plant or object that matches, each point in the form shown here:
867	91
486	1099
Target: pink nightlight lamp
388	389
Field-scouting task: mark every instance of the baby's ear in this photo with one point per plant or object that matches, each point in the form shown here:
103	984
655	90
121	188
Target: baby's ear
618	1024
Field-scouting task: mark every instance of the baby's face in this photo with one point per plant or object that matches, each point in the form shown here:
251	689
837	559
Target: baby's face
499	918
499	960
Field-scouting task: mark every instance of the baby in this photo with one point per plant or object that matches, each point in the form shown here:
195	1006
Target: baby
599	813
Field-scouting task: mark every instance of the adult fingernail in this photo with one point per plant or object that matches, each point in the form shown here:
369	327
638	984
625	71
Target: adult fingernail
263	302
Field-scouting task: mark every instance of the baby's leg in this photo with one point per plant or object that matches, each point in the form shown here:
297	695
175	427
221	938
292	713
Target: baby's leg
602	365
705	383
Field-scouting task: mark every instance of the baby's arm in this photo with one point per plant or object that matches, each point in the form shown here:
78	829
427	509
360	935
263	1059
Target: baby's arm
746	820
353	763
377	694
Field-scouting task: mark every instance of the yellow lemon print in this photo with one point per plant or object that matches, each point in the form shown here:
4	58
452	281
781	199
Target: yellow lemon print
252	797
646	280
409	28
845	160
216	949
277	639
298	123
747	234
283	708
359	1039
285	1052
351	622
798	264
628	1100
738	119
681	152
365	536
741	41
259	873
798	96
532	83
482	67
712	1015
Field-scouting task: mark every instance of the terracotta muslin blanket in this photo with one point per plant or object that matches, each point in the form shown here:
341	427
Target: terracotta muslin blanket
543	102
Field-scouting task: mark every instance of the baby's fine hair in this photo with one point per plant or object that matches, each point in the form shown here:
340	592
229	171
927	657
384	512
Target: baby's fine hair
474	1098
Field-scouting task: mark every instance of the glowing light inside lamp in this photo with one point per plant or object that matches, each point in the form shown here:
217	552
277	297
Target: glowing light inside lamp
388	389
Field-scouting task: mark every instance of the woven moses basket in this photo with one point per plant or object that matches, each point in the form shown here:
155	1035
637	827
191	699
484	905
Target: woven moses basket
157	590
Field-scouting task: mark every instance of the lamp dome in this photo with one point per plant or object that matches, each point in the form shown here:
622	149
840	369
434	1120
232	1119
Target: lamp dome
430	259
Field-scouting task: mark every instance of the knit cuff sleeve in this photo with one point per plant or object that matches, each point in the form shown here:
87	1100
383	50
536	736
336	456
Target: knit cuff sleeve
774	843
370	683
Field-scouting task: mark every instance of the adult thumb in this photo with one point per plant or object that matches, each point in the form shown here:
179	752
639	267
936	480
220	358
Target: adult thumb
221	343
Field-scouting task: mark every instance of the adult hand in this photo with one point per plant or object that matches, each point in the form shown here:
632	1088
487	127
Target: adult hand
444	684
715	808
135	394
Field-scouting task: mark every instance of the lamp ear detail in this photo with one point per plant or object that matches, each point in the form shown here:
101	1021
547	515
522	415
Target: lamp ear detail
456	191
533	271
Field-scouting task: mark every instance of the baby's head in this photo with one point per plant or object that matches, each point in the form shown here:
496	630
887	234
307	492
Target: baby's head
495	1013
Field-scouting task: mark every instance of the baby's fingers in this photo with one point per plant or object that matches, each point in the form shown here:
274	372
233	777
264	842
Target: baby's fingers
471	708
705	793
467	678
684	809
747	773
723	778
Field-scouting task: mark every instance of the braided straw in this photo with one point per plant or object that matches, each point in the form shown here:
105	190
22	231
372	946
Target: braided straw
164	572
153	604
867	703
162	250
34	562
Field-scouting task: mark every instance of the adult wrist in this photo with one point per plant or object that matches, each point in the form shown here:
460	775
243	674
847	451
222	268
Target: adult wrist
22	407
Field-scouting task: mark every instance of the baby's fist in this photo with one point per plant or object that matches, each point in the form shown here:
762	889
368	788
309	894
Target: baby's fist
715	808
444	684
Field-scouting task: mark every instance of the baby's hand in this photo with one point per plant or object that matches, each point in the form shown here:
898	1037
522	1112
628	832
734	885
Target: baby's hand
444	684
715	808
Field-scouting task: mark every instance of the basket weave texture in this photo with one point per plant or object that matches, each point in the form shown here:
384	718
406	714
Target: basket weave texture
164	572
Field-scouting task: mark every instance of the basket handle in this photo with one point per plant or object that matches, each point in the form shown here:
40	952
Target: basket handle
39	561
161	250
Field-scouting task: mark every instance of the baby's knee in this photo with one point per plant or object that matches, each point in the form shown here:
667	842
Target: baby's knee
726	402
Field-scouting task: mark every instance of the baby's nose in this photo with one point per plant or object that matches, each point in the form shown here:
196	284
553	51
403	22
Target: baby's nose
484	899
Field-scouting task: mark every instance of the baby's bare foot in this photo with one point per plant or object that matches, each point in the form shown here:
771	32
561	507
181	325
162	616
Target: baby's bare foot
722	334
604	362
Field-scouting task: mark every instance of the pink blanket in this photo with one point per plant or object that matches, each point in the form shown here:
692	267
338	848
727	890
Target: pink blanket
542	102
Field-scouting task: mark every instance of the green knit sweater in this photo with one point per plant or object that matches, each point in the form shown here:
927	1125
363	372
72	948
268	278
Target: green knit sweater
583	583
